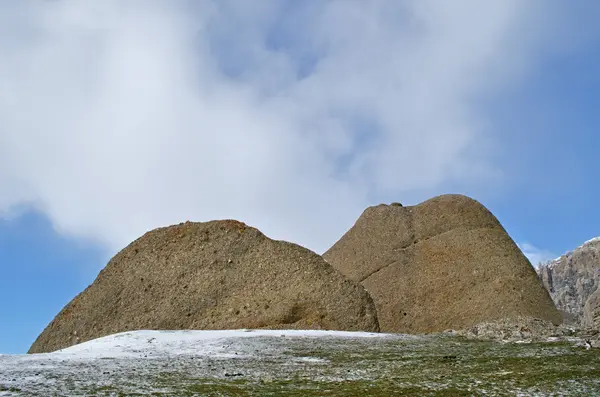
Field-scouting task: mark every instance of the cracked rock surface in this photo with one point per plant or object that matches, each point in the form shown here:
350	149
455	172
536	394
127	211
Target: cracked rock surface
446	263
573	280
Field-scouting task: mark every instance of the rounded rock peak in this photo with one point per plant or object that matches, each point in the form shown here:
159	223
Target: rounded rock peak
451	211
444	263
452	199
438	214
231	224
189	228
211	275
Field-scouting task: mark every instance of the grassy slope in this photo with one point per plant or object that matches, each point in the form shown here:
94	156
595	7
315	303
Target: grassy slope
283	366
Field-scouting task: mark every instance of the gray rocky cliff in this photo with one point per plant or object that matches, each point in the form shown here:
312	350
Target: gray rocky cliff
573	281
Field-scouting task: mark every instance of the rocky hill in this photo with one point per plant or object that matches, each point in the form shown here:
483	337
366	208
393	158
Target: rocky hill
445	263
573	281
213	275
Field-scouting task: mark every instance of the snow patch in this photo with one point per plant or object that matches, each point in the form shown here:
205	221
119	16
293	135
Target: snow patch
169	343
312	360
551	264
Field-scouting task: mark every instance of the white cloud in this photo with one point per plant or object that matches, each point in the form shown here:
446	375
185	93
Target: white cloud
536	255
119	117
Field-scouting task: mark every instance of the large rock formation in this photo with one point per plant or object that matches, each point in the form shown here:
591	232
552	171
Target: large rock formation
573	281
591	311
445	263
214	275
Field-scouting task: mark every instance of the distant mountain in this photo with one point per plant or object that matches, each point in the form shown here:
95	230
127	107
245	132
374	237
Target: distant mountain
573	281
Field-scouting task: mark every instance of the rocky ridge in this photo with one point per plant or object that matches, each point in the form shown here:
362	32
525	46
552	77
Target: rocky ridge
527	330
573	281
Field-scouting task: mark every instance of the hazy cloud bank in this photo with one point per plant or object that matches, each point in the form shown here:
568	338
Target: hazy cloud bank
119	117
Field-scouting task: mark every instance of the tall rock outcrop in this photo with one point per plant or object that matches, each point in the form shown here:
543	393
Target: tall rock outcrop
213	275
573	281
445	263
591	311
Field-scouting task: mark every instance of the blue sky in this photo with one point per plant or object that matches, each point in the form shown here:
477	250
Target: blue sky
41	271
119	117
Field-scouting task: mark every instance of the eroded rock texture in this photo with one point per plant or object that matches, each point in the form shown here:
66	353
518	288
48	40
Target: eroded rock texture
445	263
573	281
213	275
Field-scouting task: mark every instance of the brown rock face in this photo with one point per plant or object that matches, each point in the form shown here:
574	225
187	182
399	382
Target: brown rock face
213	275
445	263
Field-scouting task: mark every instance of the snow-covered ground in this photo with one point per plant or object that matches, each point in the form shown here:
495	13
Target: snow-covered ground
592	241
142	350
136	344
266	362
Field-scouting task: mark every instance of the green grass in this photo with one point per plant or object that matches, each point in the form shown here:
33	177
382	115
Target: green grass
429	366
433	367
305	387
